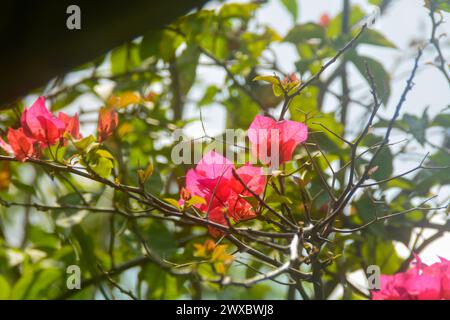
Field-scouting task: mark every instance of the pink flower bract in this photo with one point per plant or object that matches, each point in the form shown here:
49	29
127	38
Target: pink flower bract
41	125
71	125
108	120
324	20
19	144
213	180
40	129
265	134
420	282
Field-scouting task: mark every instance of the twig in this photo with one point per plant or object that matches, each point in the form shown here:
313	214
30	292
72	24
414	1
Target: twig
322	69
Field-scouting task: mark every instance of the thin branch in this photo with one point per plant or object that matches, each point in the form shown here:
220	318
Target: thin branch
319	73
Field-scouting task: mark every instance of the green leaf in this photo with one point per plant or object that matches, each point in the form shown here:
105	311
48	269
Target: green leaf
237	10
160	239
277	198
41	239
150	45
270	79
24	187
143	175
56	152
187	66
155	183
102	166
173	202
104	154
99	161
194	200
277	90
292	7
367	210
241	108
381	253
20	289
5	289
438	4
417	126
72	220
209	95
441	120
305	32
415	216
382	79
161	285
373	37
86	247
384	165
335	26
401	183
84	143
66	98
125	58
384	159
44	283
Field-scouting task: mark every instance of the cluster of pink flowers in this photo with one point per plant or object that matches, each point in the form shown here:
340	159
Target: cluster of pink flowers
215	177
214	181
421	282
41	129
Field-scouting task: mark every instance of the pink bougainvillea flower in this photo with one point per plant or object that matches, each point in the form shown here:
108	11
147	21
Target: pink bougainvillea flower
445	278
108	120
41	125
71	125
324	20
208	178
19	145
392	288
440	270
420	282
217	215
273	142
224	194
40	129
252	178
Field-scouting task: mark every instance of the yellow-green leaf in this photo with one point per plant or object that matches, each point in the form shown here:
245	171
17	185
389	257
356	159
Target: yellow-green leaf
194	200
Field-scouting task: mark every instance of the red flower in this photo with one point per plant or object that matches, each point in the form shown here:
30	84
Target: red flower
274	142
213	180
40	129
19	144
217	215
40	125
71	125
324	20
108	120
